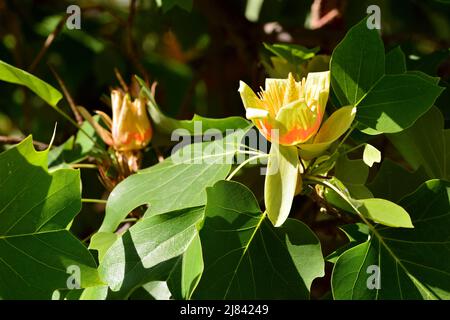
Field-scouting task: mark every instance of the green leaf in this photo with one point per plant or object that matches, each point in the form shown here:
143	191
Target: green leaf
385	212
95	293
187	273
102	241
412	261
395	61
356	234
292	58
147	250
246	257
393	181
357	64
281	182
371	155
358	78
15	75
383	107
426	144
353	174
153	290
35	209
76	149
196	126
378	210
292	53
337	200
32	199
177	182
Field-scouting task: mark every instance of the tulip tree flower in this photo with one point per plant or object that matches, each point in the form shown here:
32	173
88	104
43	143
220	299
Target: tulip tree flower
129	132
130	127
290	115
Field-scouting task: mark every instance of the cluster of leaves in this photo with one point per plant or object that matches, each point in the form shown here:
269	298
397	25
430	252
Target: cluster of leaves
205	237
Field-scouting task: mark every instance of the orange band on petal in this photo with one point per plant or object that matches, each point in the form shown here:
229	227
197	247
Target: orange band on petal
300	135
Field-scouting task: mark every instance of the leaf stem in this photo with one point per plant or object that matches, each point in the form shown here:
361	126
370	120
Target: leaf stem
85	200
231	175
83	165
349	132
369	225
354	148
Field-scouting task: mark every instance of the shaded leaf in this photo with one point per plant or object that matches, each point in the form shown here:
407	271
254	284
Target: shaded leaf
356	234
378	210
353	174
383	107
178	182
351	76
381	98
246	257
15	75
147	250
393	181
36	250
395	61
411	262
187	273
426	144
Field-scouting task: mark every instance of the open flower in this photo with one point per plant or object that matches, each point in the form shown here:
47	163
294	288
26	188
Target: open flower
130	127
290	113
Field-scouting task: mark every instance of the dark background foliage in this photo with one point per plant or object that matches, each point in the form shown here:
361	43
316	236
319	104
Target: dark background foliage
197	51
197	57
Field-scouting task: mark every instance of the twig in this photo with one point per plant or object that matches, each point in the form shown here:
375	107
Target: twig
52	36
15	140
131	45
123	228
329	208
47	43
317	20
120	79
72	104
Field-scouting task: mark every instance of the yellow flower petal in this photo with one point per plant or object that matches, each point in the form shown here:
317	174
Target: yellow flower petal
253	113
317	88
249	98
334	127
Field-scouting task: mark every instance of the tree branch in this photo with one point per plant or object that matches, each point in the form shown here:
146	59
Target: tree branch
15	140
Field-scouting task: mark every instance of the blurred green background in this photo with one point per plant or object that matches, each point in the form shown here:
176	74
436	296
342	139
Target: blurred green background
197	50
